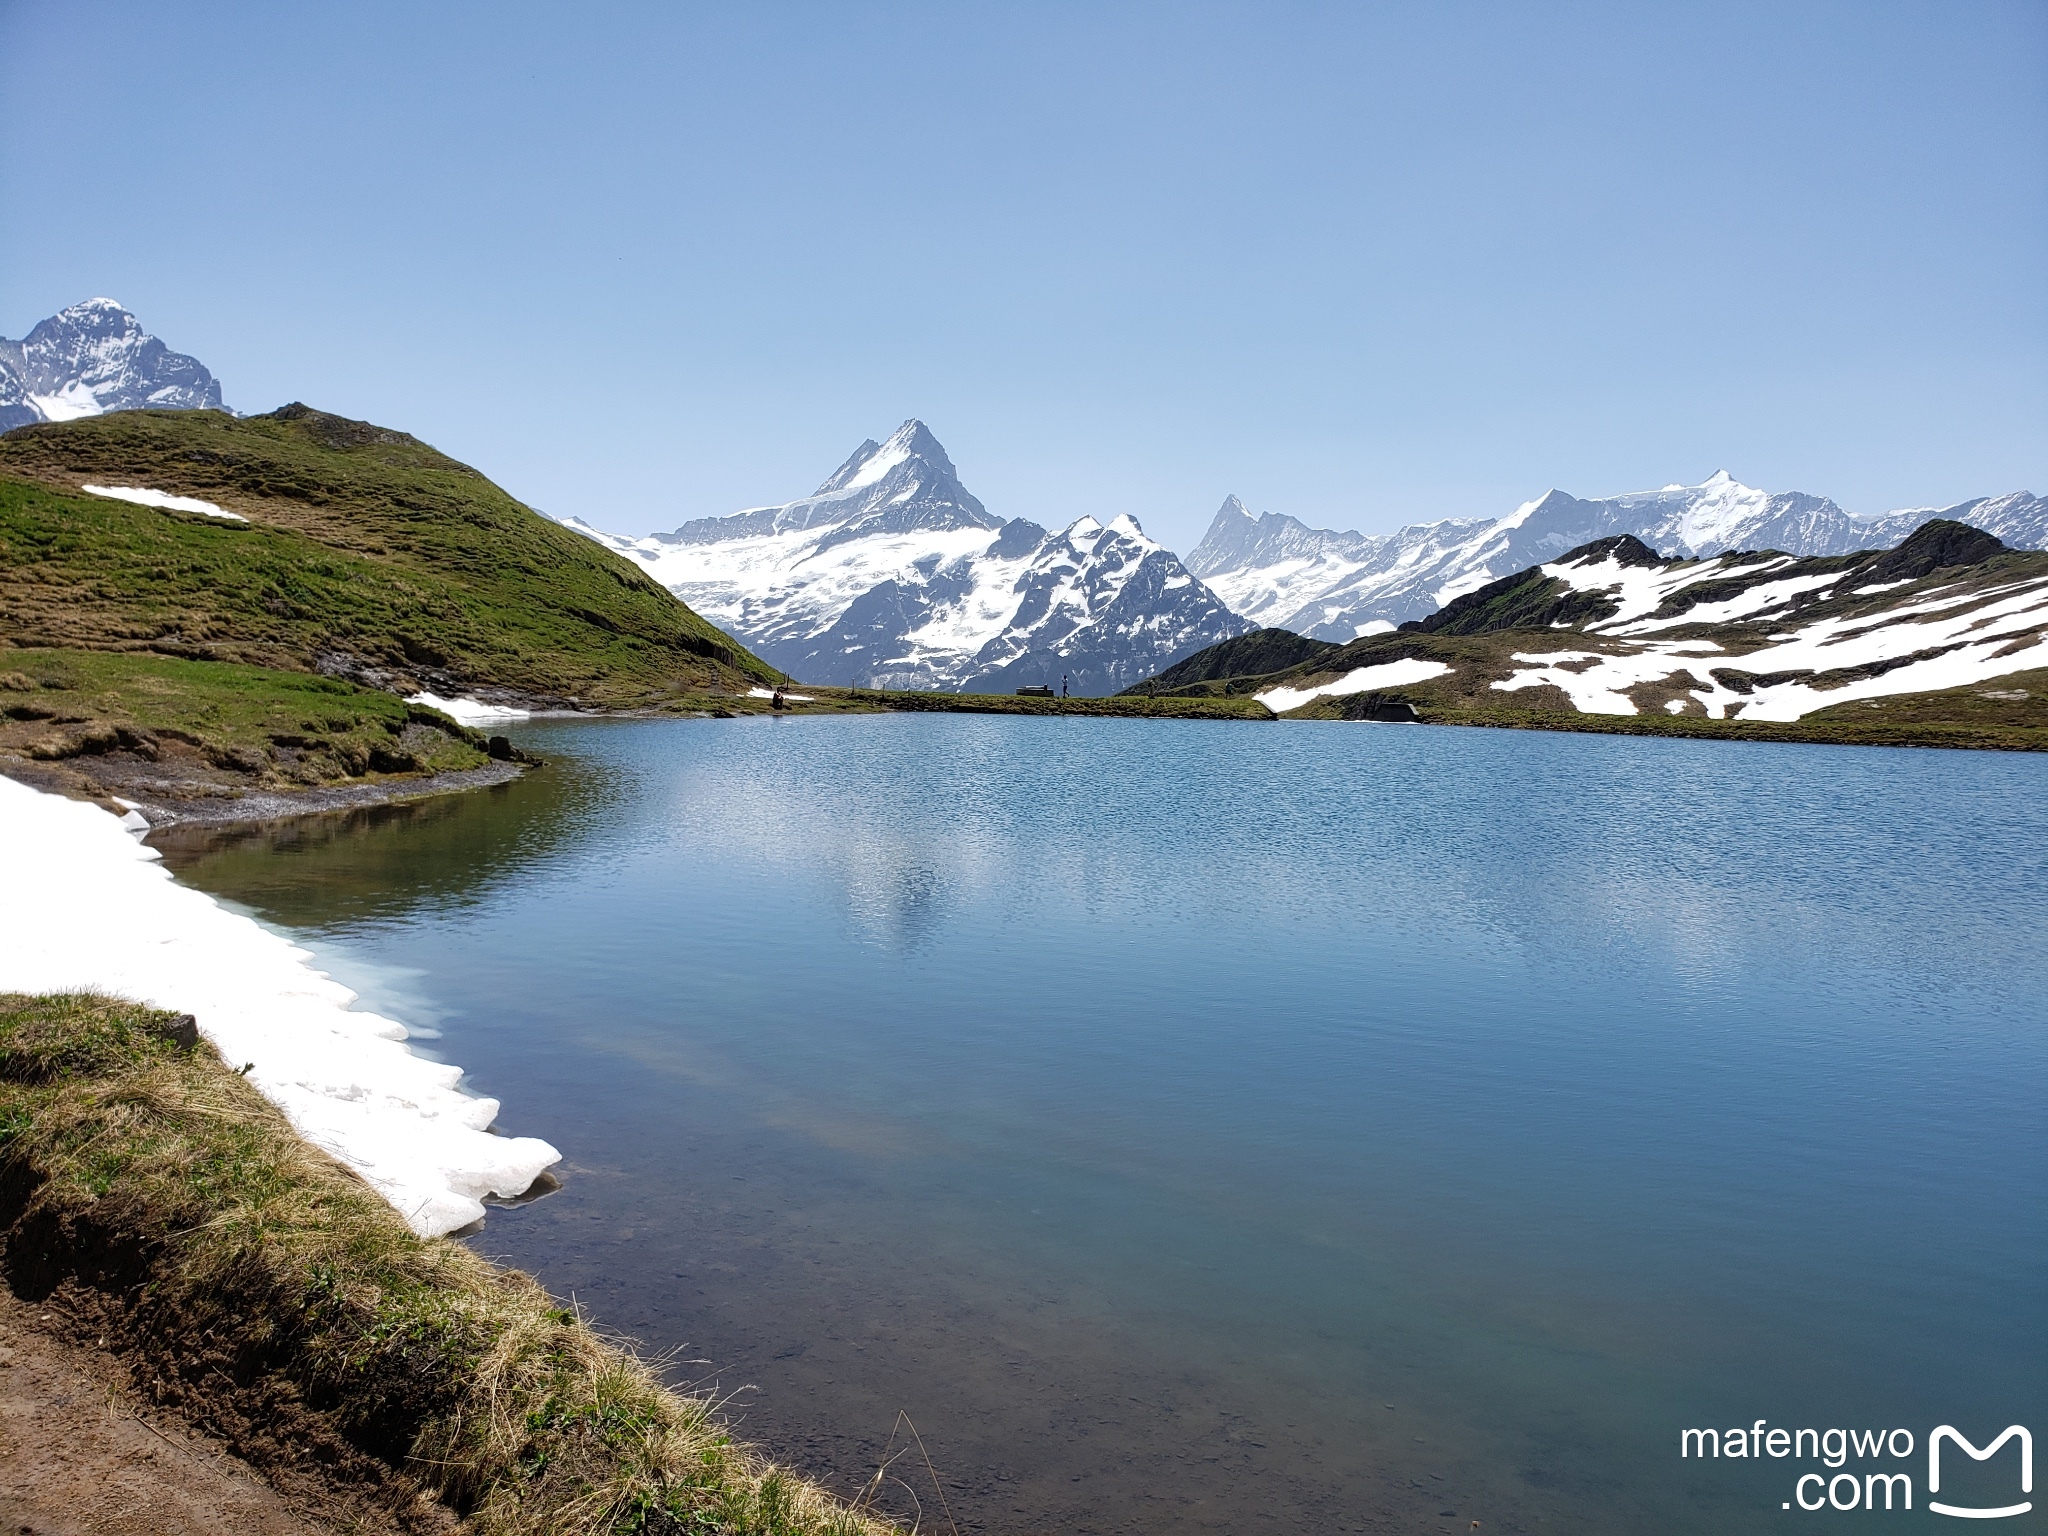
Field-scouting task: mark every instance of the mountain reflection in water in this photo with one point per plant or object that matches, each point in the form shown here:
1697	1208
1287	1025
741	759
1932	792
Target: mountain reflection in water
1230	1127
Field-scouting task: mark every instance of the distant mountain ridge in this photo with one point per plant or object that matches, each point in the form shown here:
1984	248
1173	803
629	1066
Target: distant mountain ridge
893	575
1940	640
1336	586
92	358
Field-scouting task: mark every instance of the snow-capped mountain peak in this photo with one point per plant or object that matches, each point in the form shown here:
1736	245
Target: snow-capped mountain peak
1336	586
872	461
92	357
891	574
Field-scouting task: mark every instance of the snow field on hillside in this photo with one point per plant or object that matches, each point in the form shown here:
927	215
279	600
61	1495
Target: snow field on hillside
1978	635
142	496
1387	674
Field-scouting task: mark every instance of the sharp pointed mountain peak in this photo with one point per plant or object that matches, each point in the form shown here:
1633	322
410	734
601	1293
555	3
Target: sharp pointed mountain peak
894	576
871	461
915	439
1232	507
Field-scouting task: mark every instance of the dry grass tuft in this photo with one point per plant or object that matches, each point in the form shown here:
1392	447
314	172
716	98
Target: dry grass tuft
166	1198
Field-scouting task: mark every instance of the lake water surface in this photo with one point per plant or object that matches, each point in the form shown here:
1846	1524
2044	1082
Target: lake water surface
1228	1127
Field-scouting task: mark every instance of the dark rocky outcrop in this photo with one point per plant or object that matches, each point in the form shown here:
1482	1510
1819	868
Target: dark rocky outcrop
1378	706
1938	544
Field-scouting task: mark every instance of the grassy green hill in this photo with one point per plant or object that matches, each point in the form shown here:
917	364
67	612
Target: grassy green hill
167	653
366	554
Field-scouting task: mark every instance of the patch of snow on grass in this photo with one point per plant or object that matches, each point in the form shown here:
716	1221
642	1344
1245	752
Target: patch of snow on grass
789	698
1638	590
1975	645
87	906
471	712
1752	600
1388	674
1599	688
142	496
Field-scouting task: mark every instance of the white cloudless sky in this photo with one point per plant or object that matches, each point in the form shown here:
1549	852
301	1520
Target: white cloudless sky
1365	264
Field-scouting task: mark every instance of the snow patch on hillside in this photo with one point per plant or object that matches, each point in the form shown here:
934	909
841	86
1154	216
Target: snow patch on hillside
1941	642
1386	674
471	712
141	496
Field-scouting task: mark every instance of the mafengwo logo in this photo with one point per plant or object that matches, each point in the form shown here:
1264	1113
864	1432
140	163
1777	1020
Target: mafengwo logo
1839	1488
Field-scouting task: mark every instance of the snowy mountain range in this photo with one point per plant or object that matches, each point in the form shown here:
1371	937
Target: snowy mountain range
892	575
1278	572
96	357
1901	644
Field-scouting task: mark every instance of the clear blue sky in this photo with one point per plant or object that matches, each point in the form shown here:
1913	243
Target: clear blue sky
1363	264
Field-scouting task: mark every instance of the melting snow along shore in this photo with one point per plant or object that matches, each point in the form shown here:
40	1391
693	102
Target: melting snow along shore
84	905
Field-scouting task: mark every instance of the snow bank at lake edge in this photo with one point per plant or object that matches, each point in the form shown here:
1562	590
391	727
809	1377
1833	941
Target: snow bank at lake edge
85	905
471	712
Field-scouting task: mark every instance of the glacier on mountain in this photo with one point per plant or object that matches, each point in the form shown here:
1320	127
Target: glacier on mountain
1276	571
893	575
92	358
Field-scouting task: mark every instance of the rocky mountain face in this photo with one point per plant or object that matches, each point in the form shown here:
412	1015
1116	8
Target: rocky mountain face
892	575
92	358
1340	586
2019	519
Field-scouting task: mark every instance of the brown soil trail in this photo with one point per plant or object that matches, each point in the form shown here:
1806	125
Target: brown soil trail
82	1455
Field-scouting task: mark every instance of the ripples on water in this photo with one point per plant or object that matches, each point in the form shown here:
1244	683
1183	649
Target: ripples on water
1228	1127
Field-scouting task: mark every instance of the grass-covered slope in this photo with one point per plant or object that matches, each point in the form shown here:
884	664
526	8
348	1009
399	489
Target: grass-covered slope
151	1201
157	718
366	554
1257	654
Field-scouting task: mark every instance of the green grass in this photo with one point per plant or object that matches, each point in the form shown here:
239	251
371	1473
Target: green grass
1825	729
1261	652
248	1277
366	551
267	727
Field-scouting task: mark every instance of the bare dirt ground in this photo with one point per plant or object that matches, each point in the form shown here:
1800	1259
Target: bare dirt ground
81	1455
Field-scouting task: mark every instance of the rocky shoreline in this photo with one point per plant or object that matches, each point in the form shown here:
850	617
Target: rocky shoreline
170	802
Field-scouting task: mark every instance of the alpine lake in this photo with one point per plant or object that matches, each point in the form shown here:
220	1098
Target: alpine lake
1232	1127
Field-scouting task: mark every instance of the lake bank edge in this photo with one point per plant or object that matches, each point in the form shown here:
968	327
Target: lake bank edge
157	1206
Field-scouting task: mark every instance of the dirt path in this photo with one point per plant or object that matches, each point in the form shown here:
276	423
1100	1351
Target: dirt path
81	1456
